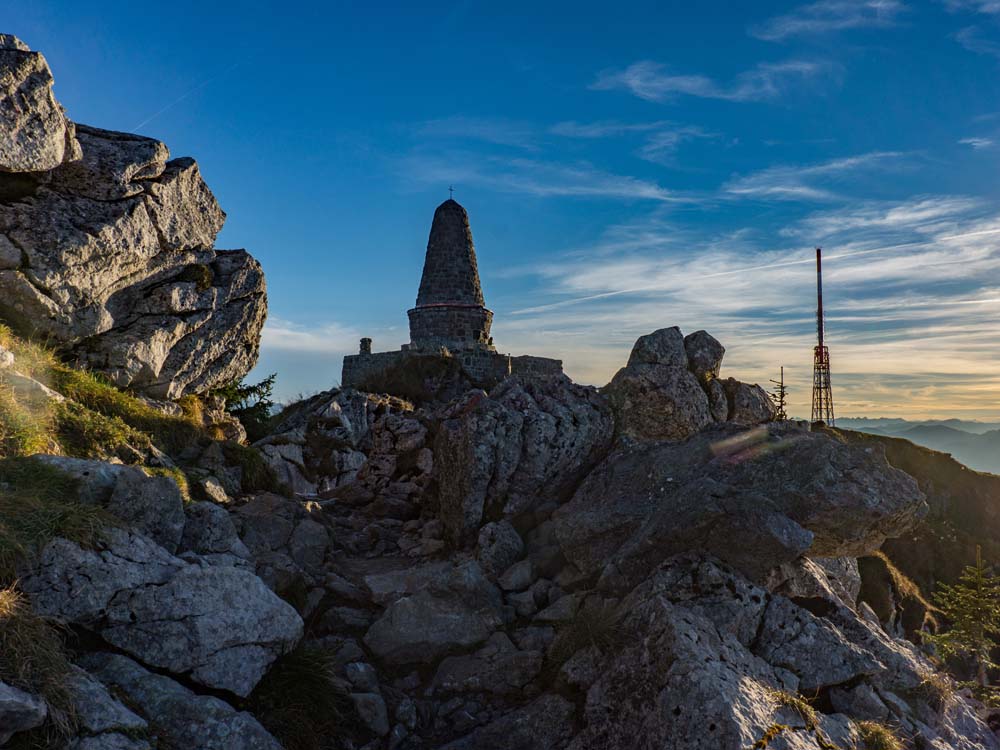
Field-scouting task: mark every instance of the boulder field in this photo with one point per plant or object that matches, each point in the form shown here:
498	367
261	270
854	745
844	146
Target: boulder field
511	569
544	566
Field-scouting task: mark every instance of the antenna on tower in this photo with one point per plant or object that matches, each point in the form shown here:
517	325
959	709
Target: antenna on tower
779	396
822	395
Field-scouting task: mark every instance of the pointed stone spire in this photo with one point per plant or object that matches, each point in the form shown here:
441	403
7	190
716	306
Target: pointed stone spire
450	272
450	308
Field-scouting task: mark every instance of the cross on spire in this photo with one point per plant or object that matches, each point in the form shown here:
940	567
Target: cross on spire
451	192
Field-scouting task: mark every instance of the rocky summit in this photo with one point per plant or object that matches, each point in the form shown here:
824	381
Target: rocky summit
106	247
540	565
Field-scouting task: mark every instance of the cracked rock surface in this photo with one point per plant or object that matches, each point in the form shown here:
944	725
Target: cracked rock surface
220	626
109	253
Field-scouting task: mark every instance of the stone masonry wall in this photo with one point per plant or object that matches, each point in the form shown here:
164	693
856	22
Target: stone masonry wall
451	326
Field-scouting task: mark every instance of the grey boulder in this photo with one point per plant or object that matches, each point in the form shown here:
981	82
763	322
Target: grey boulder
782	491
219	626
185	718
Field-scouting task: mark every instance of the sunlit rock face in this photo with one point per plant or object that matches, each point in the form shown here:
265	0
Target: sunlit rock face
107	248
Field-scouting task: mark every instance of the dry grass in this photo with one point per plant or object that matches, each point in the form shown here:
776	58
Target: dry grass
301	702
878	736
32	658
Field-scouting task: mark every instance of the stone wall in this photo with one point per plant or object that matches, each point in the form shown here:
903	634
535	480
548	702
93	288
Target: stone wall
535	367
451	326
359	368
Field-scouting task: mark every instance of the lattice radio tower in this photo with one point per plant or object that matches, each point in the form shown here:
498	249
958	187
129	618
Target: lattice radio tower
822	397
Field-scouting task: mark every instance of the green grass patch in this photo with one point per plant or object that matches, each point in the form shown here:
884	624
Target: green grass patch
257	475
37	504
173	434
300	702
175	473
33	659
25	427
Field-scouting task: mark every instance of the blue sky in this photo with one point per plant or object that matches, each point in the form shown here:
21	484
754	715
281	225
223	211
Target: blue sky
652	165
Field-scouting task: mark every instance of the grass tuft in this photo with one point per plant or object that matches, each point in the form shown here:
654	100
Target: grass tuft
33	659
878	736
257	474
300	701
37	504
26	427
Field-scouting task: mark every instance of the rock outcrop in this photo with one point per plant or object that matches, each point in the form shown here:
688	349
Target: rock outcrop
35	135
670	389
106	248
773	488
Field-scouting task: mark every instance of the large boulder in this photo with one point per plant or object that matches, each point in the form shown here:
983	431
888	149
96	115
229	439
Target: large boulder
218	626
111	256
519	450
670	389
755	498
182	717
35	135
433	611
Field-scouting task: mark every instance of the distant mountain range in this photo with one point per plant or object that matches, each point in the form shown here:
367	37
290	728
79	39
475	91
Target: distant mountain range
975	444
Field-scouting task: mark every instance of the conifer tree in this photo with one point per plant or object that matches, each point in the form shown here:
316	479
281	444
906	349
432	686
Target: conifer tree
972	606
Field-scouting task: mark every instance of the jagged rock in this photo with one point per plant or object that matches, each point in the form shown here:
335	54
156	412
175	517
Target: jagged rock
209	532
544	723
748	404
151	505
115	263
104	722
219	626
455	611
663	347
499	547
286	541
718	404
372	712
112	165
498	667
35	135
658	402
524	445
19	711
186	719
704	355
781	492
518	576
810	647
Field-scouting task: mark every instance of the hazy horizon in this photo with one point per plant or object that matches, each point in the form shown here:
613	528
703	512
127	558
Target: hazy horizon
662	165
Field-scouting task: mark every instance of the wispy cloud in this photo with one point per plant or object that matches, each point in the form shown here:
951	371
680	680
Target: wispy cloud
898	296
828	16
661	146
662	137
977	143
654	82
972	39
534	177
604	128
328	338
989	7
805	182
492	130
